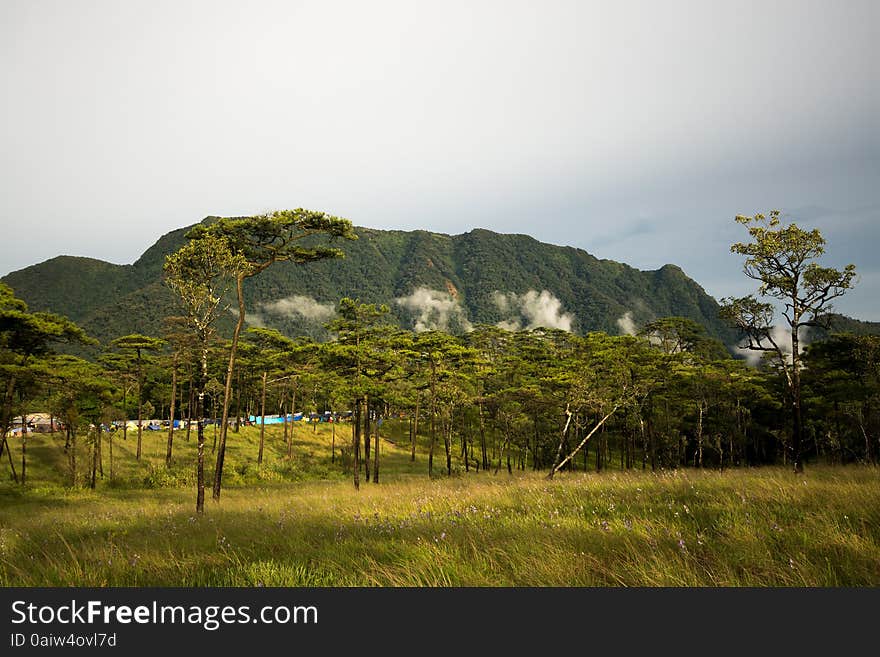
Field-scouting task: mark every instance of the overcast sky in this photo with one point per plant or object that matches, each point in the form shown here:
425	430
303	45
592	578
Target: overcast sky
633	130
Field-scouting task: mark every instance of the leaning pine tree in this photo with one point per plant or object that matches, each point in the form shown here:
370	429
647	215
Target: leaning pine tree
261	241
781	259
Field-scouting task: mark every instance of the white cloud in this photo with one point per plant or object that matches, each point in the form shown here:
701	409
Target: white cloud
531	310
306	307
626	324
434	310
253	319
500	301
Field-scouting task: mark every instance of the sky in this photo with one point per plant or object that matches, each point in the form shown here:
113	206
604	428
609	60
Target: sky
634	130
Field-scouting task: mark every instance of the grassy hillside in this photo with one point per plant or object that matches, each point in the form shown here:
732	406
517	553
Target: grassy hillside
382	266
300	522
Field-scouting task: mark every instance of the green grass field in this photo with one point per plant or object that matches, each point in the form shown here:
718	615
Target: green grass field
302	523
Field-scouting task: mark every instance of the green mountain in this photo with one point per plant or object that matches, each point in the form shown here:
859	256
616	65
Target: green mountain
429	279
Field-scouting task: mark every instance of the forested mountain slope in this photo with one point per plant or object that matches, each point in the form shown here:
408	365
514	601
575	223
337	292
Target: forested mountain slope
429	280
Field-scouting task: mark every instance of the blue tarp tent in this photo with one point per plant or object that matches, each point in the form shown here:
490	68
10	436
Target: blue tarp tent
275	419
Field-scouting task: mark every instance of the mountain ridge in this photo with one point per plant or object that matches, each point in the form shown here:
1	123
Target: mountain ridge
428	279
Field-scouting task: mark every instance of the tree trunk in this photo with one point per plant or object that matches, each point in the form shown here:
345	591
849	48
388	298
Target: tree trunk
797	432
447	430
237	403
366	438
214	416
507	442
583	442
95	444
140	405
227	390
283	409
171	423
9	456
292	422
700	435
262	420
376	455
356	443
200	433
415	429
7	420
464	449
433	422
485	455
72	457
200	455
190	405
557	459
23	447
124	412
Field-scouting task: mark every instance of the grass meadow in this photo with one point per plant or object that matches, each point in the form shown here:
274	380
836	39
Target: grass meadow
301	523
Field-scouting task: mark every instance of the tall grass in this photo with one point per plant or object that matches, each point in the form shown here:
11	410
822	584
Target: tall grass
763	527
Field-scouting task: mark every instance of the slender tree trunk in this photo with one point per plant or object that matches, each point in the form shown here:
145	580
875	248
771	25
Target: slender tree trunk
200	457
333	443
797	432
140	405
292	422
583	442
447	436
72	457
464	450
94	470
237	403
509	436
23	447
484	453
284	415
8	397
190	404
200	433
124	412
730	450
366	438
415	429
700	435
227	391
376	455
262	420
433	422
356	443
214	423
173	400
504	446
562	439
100	451
9	456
